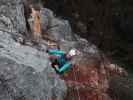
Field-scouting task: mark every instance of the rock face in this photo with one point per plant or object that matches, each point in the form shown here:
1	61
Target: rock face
87	71
56	28
25	73
12	15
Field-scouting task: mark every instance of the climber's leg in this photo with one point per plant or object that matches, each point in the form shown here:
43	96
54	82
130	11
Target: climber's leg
64	67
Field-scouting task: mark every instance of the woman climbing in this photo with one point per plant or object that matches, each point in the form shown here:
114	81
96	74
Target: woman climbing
60	60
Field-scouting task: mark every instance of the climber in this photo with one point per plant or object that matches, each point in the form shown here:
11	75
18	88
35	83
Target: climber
60	60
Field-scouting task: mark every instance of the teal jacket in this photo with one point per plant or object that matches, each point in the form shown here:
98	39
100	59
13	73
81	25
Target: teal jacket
64	62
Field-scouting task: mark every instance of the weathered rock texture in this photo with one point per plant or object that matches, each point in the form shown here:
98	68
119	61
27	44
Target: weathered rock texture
12	15
24	71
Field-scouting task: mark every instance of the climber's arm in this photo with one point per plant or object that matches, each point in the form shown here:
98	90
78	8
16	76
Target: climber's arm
54	51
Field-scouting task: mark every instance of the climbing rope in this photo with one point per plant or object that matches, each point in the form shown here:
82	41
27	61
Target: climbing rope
75	79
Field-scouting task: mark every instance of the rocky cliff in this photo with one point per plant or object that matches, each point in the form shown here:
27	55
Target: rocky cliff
25	73
24	70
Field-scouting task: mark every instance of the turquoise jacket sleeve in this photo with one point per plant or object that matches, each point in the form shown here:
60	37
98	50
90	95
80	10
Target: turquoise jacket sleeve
64	67
56	51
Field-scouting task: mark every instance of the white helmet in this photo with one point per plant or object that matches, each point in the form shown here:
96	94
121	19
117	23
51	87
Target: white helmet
73	52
